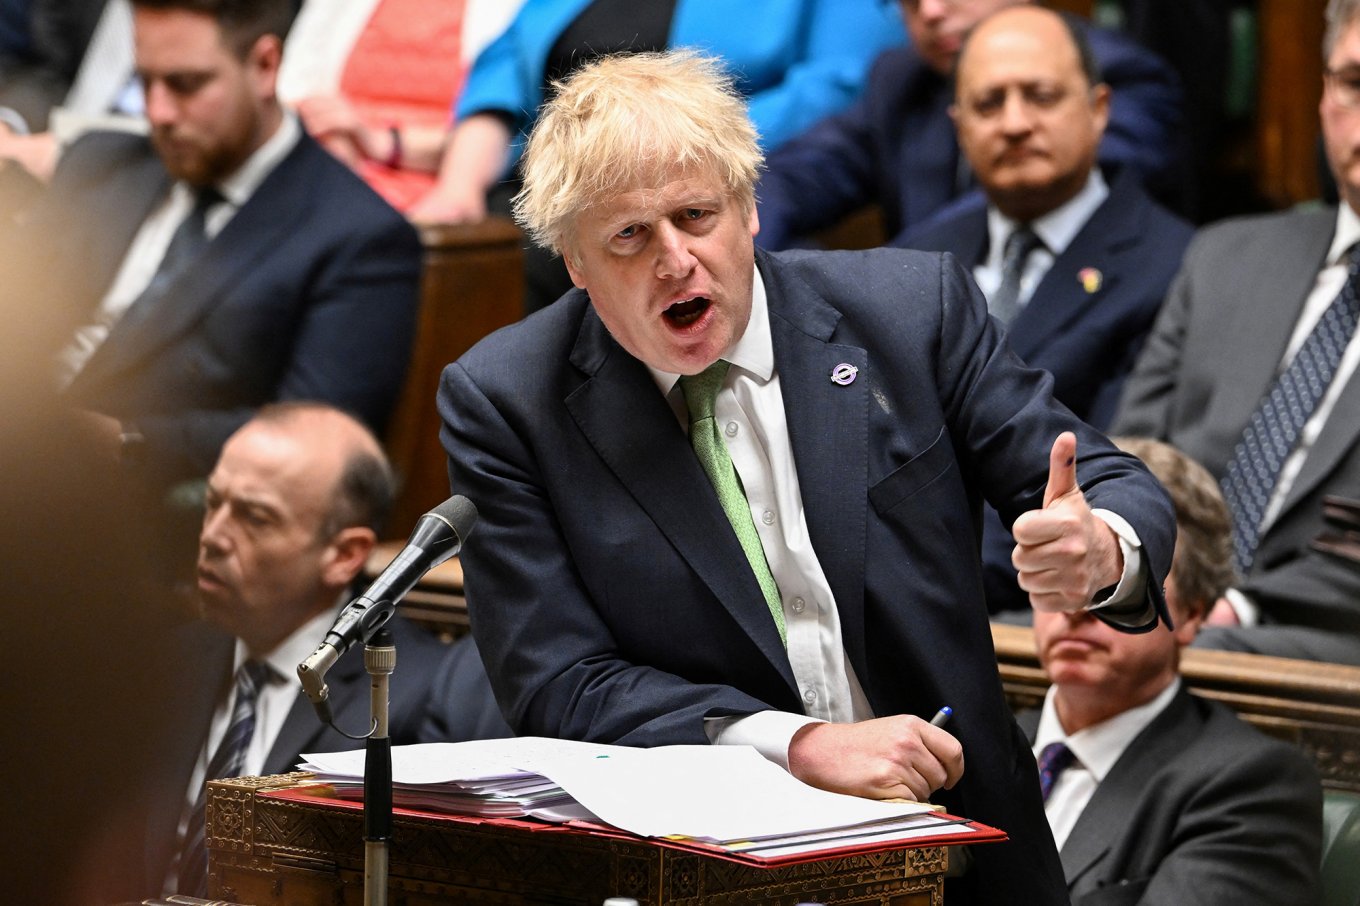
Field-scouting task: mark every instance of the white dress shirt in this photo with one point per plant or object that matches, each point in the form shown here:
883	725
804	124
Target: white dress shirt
749	411
149	246
1096	748
1057	229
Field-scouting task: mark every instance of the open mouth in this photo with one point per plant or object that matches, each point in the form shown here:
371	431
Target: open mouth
687	311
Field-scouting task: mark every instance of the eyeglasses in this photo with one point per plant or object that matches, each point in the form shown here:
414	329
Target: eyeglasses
1343	85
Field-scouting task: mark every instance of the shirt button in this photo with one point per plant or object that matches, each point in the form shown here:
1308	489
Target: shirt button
799	605
810	696
731	429
767	517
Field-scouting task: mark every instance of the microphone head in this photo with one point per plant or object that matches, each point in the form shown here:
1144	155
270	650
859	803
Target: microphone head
459	513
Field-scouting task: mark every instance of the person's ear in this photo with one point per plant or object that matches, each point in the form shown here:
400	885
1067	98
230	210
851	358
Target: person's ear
346	555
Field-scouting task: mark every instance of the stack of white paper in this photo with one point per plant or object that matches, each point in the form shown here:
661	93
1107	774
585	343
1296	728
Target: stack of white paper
726	795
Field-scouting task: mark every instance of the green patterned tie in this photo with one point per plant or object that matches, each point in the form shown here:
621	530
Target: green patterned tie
700	391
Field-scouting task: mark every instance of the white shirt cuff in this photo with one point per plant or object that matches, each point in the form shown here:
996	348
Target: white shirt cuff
769	732
1133	579
1248	614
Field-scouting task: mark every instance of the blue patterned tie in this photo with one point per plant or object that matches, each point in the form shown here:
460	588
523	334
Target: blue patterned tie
1005	302
227	761
1055	758
701	390
1274	428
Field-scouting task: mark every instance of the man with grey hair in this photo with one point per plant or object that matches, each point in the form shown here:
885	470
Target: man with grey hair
1250	369
801	572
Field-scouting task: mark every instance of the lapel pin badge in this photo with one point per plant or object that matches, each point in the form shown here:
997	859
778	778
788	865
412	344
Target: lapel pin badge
1090	279
844	374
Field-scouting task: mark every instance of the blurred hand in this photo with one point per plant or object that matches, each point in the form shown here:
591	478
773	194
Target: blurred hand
1064	553
889	757
450	204
1222	614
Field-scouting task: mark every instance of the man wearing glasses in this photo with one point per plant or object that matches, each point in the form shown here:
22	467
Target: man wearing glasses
1251	369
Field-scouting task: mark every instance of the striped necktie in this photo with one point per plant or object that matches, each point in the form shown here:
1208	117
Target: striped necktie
1005	302
1274	428
701	390
227	761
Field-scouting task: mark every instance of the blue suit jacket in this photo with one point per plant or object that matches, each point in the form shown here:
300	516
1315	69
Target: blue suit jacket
612	601
796	60
896	146
1087	341
309	292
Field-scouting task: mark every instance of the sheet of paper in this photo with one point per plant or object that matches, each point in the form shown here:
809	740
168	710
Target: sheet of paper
714	793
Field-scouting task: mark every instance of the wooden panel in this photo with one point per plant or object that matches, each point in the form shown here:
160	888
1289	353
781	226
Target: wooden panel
473	284
1290	86
1314	706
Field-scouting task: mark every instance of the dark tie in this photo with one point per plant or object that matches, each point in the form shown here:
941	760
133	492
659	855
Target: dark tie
185	245
1055	758
700	392
227	761
1274	428
1005	302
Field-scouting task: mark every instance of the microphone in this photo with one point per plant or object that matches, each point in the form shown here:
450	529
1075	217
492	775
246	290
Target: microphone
438	535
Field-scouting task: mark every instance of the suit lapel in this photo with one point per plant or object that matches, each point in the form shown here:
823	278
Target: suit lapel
1338	434
632	428
205	653
1107	813
348	684
258	228
1062	297
828	428
1270	301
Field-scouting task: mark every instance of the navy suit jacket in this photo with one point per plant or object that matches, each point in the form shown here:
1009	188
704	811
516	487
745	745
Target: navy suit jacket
611	598
309	292
1201	809
1088	341
896	146
438	693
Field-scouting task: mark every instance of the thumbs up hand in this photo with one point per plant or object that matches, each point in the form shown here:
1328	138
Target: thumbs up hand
1063	552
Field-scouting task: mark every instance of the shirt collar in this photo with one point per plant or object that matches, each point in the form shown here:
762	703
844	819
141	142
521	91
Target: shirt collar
753	351
1058	227
1347	233
1099	746
295	649
241	184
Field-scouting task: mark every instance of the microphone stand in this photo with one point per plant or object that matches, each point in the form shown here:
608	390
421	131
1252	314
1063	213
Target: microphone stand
380	659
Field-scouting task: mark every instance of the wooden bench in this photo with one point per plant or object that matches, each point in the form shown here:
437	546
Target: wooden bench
473	284
1314	706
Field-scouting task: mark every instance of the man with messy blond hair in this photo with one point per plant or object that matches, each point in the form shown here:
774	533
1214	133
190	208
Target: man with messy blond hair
801	572
568	169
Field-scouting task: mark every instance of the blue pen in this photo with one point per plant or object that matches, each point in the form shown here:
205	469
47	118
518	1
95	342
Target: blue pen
942	716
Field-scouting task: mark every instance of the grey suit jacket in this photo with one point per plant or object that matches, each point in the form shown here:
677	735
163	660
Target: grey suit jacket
1212	355
1200	809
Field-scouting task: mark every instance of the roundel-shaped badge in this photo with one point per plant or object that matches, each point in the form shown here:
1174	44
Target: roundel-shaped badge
844	374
